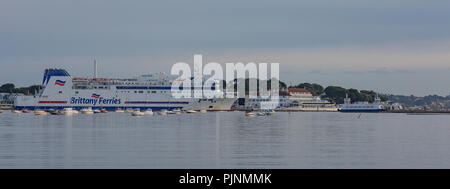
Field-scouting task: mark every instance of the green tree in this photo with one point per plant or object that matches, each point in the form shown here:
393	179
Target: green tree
336	93
314	87
7	88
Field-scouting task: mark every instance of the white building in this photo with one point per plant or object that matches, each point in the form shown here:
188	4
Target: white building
304	100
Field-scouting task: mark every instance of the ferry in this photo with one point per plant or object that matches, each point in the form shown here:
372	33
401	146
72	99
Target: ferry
362	106
152	91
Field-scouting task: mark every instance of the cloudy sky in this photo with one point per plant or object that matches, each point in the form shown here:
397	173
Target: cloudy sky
392	46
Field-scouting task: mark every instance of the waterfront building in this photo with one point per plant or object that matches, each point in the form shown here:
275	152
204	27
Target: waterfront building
304	100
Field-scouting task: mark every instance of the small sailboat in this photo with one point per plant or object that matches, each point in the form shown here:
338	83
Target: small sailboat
191	111
270	112
163	112
40	112
119	110
177	111
67	111
260	114
87	111
249	114
137	113
54	112
148	112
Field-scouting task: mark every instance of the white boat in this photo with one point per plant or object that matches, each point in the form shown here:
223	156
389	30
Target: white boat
270	112
67	111
119	110
203	111
16	111
87	111
61	90
148	112
162	112
260	114
40	112
137	113
96	111
54	112
177	111
191	111
75	112
249	114
361	107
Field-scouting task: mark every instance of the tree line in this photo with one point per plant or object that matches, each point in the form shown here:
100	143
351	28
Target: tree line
335	94
11	88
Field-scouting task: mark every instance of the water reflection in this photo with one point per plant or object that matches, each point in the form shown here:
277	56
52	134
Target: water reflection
225	140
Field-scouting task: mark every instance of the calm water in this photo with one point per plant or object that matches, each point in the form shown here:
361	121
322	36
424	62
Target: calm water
225	140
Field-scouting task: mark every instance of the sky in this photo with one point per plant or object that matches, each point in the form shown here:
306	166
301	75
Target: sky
391	46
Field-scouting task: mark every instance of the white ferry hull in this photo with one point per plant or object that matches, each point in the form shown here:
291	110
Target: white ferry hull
59	93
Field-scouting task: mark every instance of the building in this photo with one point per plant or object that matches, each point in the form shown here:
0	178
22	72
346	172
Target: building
304	100
292	99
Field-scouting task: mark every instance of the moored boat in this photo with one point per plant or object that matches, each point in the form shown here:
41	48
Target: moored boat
162	112
137	113
40	112
67	111
148	112
191	111
249	114
87	111
260	114
270	112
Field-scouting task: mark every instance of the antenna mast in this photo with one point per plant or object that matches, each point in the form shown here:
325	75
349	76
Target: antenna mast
95	68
